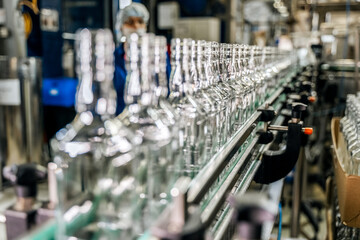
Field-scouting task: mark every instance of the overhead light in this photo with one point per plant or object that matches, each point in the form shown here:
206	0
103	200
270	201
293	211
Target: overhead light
276	5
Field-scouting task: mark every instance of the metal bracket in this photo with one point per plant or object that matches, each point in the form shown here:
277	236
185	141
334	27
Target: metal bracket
277	164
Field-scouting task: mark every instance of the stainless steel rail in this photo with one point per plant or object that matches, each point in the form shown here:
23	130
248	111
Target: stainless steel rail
202	182
218	200
224	225
222	230
206	177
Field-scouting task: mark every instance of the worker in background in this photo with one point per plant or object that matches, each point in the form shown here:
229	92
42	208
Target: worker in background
131	19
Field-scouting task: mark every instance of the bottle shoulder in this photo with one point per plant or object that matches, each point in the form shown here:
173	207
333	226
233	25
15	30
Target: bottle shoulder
148	124
191	105
206	100
78	138
84	127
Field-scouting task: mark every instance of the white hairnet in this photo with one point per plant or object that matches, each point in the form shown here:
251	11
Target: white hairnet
133	10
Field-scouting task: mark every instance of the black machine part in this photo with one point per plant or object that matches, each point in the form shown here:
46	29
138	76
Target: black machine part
277	164
25	178
21	216
297	109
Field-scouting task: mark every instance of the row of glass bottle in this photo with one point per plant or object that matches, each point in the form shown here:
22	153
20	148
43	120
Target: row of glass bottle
350	127
125	165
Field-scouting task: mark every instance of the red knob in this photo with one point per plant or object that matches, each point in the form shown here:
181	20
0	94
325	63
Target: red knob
308	131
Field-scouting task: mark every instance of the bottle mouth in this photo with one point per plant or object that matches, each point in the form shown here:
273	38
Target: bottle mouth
182	49
94	53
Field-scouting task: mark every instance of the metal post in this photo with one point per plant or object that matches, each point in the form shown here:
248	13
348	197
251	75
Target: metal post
15	44
357	32
296	196
152	23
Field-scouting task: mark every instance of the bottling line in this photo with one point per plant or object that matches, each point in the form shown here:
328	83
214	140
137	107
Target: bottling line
160	149
211	139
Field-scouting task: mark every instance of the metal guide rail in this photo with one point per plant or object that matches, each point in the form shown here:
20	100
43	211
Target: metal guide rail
239	174
206	177
244	171
215	211
244	182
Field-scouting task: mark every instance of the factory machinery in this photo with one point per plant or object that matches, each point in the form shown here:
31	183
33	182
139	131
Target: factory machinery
169	167
175	165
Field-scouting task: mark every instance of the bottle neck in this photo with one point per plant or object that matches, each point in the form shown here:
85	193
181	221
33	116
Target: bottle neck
245	60
251	59
204	66
215	62
176	80
140	83
224	64
221	63
268	58
239	62
194	74
257	61
233	68
188	83
263	58
161	90
95	71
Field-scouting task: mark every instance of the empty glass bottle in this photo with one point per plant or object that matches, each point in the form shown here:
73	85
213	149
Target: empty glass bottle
75	148
166	111
253	75
258	75
207	90
207	102
192	114
221	78
153	176
273	66
116	215
247	81
237	87
350	127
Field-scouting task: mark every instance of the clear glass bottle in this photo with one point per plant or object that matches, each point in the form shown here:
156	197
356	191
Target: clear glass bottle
75	148
274	66
116	215
239	91
221	62
166	111
350	127
259	75
206	91
197	70
243	89
264	70
246	80
345	121
253	75
192	114
152	176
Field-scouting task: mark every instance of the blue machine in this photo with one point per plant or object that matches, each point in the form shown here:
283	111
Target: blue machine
59	91
59	20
